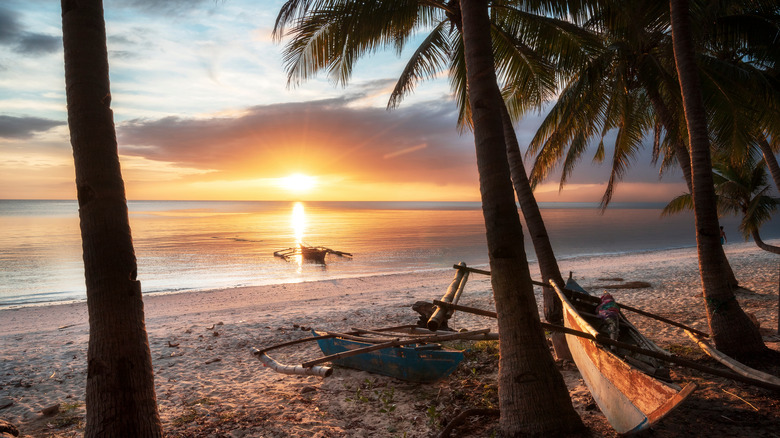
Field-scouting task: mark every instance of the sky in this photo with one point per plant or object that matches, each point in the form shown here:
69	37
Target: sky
203	111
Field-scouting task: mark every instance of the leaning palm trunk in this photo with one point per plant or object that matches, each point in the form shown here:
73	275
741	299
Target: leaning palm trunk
548	265
120	397
771	161
532	395
731	329
763	245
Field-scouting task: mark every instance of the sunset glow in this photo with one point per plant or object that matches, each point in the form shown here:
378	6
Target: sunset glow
244	135
298	183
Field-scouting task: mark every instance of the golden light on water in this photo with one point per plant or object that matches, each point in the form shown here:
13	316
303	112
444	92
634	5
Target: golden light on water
298	222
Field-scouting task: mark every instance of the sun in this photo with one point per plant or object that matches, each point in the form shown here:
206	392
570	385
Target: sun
298	182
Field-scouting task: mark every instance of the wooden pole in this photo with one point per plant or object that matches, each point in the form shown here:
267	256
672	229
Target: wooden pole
591	298
601	339
440	315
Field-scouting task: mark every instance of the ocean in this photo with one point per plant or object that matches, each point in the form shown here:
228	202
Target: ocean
200	245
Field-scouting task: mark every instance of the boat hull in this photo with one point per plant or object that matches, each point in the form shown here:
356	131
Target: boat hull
630	399
420	364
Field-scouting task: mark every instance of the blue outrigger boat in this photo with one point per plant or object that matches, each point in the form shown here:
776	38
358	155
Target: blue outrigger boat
407	353
421	363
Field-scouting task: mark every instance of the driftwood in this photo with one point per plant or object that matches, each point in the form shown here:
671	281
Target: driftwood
426	309
451	296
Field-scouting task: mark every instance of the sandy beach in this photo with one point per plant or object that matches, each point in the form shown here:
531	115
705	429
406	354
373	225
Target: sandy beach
208	383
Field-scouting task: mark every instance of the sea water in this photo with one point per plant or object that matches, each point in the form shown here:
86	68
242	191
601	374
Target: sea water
200	245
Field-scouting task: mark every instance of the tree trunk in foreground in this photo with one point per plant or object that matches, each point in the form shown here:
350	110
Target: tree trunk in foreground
731	329
532	395
548	265
120	397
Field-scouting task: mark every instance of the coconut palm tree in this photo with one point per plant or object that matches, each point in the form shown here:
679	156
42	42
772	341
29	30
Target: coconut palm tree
742	189
539	391
628	87
120	397
332	35
530	51
730	327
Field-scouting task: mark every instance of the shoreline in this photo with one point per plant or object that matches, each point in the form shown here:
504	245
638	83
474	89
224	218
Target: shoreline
200	344
575	260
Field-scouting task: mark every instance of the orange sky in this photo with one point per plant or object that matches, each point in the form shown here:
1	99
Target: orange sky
202	111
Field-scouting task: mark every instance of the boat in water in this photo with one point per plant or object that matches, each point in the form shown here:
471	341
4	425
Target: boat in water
311	254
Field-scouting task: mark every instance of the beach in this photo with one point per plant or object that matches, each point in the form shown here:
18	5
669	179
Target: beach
208	383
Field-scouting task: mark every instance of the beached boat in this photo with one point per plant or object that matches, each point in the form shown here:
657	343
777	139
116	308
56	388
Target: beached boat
405	352
421	363
631	389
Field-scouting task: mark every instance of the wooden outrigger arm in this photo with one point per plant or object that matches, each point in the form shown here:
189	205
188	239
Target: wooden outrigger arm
591	298
605	340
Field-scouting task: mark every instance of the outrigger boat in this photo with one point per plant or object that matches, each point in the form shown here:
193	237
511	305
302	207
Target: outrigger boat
313	254
404	352
419	362
633	390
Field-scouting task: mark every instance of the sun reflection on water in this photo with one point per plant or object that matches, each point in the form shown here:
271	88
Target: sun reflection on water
298	223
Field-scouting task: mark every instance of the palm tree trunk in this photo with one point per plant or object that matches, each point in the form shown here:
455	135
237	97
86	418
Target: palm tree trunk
771	161
120	397
763	245
548	265
731	329
532	395
684	160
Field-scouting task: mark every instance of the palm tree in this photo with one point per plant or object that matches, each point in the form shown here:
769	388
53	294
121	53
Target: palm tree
529	404
120	397
730	327
332	35
530	50
630	87
741	189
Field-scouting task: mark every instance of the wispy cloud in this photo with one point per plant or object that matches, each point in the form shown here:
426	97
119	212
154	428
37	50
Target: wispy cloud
13	35
24	127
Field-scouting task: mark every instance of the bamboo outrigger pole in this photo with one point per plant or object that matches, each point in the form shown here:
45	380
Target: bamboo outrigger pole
452	295
601	339
593	299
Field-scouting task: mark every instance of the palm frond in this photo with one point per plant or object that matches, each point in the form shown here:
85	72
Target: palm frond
425	63
679	204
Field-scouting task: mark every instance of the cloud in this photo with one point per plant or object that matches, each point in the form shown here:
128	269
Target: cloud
158	7
24	127
326	137
12	34
9	26
38	44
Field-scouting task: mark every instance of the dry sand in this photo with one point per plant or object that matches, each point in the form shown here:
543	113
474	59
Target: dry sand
208	383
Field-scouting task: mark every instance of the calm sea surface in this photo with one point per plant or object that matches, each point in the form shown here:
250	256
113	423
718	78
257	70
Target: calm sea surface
197	245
